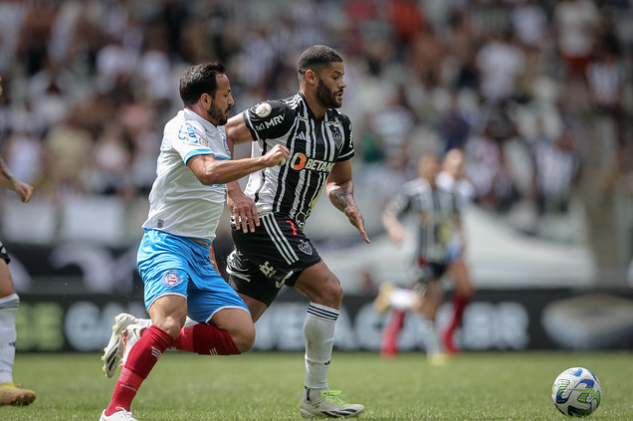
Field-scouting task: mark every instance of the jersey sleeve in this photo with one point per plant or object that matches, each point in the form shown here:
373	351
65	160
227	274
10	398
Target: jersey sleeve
269	119
347	150
190	140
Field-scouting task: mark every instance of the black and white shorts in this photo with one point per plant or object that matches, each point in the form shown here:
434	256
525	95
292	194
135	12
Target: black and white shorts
3	253
269	258
425	271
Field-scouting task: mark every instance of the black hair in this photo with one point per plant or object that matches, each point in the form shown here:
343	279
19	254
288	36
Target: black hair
317	57
200	79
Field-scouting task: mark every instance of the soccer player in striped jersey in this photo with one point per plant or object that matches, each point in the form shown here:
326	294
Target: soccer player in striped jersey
271	248
10	393
436	219
186	202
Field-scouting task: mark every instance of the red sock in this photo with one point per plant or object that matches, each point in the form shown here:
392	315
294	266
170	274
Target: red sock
459	304
389	346
140	361
205	340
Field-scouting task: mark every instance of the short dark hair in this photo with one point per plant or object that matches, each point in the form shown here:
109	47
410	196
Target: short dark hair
317	57
200	79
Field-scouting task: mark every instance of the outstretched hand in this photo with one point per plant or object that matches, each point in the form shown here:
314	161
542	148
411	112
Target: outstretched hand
356	219
24	190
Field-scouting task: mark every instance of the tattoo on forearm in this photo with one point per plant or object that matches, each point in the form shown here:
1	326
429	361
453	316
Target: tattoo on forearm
5	170
342	196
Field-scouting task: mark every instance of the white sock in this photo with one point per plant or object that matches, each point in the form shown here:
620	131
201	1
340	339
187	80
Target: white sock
429	334
318	331
402	299
8	309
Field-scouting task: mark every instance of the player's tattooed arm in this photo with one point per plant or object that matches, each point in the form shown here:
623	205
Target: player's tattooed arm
8	180
340	191
5	170
341	195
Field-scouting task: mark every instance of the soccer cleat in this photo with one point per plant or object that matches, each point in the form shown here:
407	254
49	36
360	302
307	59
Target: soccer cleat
383	300
113	353
13	394
131	335
121	415
328	404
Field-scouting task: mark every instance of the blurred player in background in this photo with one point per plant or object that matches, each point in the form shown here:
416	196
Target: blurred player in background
186	202
271	249
436	219
10	393
452	178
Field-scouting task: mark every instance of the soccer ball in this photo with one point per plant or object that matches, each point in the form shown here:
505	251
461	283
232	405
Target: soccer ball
576	392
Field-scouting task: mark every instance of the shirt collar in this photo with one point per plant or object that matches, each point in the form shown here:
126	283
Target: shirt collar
192	115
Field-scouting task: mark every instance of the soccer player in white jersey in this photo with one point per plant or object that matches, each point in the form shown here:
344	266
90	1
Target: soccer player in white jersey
436	219
10	393
186	201
269	217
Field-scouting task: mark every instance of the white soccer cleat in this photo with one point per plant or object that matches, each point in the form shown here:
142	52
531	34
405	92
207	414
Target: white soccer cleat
121	415
131	335
113	352
327	404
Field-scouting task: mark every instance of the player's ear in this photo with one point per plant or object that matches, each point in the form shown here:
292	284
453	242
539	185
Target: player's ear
205	99
311	76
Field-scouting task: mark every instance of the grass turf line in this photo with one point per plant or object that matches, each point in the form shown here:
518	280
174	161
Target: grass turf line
268	386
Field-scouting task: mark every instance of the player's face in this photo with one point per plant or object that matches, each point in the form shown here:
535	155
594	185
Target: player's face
455	164
0	85
221	102
331	86
428	168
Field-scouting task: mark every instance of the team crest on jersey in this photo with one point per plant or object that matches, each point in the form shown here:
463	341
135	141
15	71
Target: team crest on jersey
336	134
263	110
171	279
305	247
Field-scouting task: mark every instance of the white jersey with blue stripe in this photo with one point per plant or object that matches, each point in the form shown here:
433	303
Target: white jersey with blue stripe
179	203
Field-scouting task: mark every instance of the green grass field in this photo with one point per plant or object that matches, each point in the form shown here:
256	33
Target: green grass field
268	386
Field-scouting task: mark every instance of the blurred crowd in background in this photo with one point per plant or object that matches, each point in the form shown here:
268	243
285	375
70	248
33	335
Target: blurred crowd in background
538	94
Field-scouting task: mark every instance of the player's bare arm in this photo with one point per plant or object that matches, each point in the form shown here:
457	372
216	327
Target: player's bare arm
392	225
211	171
9	181
237	132
340	191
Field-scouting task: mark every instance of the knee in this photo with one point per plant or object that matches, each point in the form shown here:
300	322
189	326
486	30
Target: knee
244	338
331	293
171	324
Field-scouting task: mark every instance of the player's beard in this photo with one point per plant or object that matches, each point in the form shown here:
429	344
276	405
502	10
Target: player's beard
218	116
327	97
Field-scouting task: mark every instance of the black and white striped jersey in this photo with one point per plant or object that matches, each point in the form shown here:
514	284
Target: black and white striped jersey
315	146
434	212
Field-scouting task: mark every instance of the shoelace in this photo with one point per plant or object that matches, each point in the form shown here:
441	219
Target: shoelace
333	397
